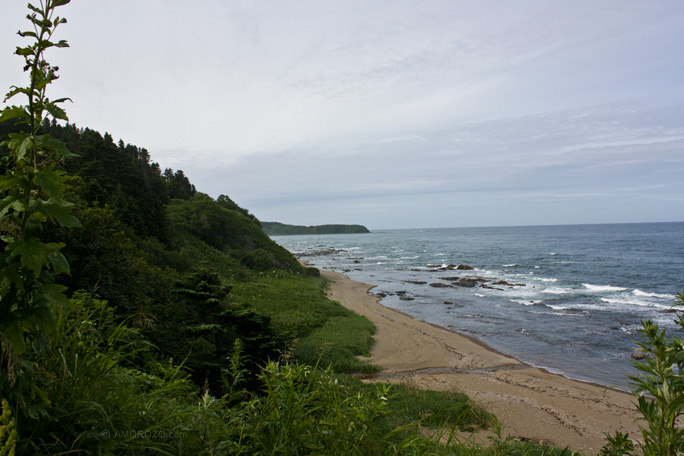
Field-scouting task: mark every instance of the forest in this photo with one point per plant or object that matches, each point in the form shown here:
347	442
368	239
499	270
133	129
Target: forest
282	229
139	315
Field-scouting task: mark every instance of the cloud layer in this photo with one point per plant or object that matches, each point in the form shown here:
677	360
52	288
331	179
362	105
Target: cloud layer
391	114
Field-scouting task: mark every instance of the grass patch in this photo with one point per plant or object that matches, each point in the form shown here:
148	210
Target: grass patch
338	342
319	327
437	409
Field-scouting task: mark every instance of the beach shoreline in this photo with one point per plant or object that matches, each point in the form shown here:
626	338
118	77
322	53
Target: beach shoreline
530	402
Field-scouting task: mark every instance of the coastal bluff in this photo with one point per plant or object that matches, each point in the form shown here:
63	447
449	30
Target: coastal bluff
282	229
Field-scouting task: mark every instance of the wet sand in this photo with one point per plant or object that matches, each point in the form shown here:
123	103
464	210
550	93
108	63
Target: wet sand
529	402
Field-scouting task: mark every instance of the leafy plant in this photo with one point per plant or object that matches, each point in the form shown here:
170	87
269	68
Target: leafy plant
8	430
32	194
305	410
618	445
659	392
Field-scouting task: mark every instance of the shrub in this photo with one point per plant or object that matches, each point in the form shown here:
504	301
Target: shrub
659	392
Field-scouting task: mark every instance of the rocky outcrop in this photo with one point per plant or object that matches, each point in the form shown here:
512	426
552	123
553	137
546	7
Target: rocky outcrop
466	282
503	282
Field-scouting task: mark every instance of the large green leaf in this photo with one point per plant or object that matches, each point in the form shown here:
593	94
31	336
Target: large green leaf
13	112
7	203
33	254
11	182
61	213
52	293
54	145
20	143
24	50
14	90
51	183
59	263
56	111
12	330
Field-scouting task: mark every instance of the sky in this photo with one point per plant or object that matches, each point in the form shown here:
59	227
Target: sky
388	113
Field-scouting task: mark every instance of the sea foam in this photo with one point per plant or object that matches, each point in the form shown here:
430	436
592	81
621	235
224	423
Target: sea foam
652	295
602	288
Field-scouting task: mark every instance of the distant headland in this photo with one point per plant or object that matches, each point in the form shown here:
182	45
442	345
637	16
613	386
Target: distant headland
281	229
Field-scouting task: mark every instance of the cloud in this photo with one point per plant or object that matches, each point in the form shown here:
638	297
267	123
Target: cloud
381	112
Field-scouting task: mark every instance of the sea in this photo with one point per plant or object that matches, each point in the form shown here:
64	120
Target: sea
569	299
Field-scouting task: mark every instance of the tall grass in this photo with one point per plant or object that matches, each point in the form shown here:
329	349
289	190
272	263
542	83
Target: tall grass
317	326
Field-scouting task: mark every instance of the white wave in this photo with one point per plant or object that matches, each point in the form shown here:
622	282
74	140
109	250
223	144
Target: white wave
553	253
626	300
560	307
525	302
602	288
537	267
561	314
544	279
652	295
479	295
512	265
556	290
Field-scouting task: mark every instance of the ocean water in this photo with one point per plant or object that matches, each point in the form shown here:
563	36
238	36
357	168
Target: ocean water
566	298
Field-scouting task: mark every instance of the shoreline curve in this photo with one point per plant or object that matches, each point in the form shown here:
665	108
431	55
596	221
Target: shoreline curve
530	402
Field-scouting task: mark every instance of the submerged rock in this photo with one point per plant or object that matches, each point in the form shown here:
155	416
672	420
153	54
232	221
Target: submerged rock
440	285
464	267
503	282
469	283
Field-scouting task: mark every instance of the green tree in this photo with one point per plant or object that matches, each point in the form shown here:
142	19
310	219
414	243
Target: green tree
179	185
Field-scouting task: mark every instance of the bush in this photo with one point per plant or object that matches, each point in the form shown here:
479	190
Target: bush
90	401
659	392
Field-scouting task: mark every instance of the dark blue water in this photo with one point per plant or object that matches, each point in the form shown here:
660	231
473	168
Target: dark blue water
566	298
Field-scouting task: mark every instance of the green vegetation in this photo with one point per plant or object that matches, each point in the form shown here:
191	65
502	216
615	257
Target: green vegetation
178	327
659	393
280	229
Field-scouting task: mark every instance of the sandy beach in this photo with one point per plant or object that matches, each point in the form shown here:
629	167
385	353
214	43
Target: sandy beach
530	403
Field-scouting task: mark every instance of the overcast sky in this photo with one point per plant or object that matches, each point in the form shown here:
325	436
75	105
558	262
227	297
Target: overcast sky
389	113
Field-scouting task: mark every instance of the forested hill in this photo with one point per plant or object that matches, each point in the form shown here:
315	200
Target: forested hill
155	248
281	229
